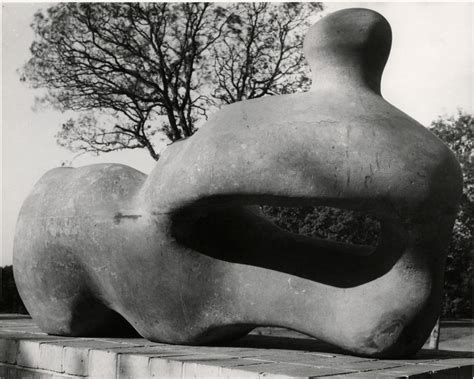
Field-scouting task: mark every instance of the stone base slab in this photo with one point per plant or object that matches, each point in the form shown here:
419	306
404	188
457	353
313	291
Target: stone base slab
26	352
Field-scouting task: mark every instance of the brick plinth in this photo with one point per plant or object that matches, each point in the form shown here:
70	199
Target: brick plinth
26	352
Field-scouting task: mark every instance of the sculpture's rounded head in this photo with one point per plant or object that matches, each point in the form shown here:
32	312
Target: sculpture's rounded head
349	44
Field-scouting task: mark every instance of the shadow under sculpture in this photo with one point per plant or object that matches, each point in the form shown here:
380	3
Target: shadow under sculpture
184	256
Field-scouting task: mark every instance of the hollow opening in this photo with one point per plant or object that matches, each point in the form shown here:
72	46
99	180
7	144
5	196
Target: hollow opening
324	222
320	243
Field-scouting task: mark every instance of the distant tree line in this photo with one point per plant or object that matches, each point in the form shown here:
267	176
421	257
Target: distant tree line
458	133
10	301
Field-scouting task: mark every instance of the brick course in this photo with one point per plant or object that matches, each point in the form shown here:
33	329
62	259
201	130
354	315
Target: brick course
26	352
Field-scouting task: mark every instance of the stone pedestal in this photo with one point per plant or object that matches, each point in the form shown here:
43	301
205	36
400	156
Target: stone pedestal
26	352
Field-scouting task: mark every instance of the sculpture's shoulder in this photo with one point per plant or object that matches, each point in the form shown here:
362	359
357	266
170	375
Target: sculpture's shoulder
301	110
262	111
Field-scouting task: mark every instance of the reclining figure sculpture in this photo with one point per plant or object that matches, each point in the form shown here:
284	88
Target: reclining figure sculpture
184	256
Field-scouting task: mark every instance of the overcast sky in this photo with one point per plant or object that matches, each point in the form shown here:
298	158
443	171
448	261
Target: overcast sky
429	73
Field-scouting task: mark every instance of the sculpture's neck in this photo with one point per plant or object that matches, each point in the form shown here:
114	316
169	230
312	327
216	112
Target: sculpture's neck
337	73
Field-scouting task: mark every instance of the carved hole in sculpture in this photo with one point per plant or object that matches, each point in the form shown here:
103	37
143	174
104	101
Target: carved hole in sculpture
245	234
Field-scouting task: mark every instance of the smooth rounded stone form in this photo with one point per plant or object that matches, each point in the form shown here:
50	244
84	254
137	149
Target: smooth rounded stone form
185	257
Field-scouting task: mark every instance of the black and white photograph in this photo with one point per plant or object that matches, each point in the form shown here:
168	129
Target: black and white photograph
237	190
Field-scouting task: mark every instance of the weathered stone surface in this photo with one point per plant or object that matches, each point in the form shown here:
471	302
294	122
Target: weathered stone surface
183	256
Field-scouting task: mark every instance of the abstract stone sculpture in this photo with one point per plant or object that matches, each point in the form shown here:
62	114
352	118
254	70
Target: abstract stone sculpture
185	257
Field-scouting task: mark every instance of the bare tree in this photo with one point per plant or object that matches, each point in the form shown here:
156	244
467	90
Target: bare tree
151	67
262	54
